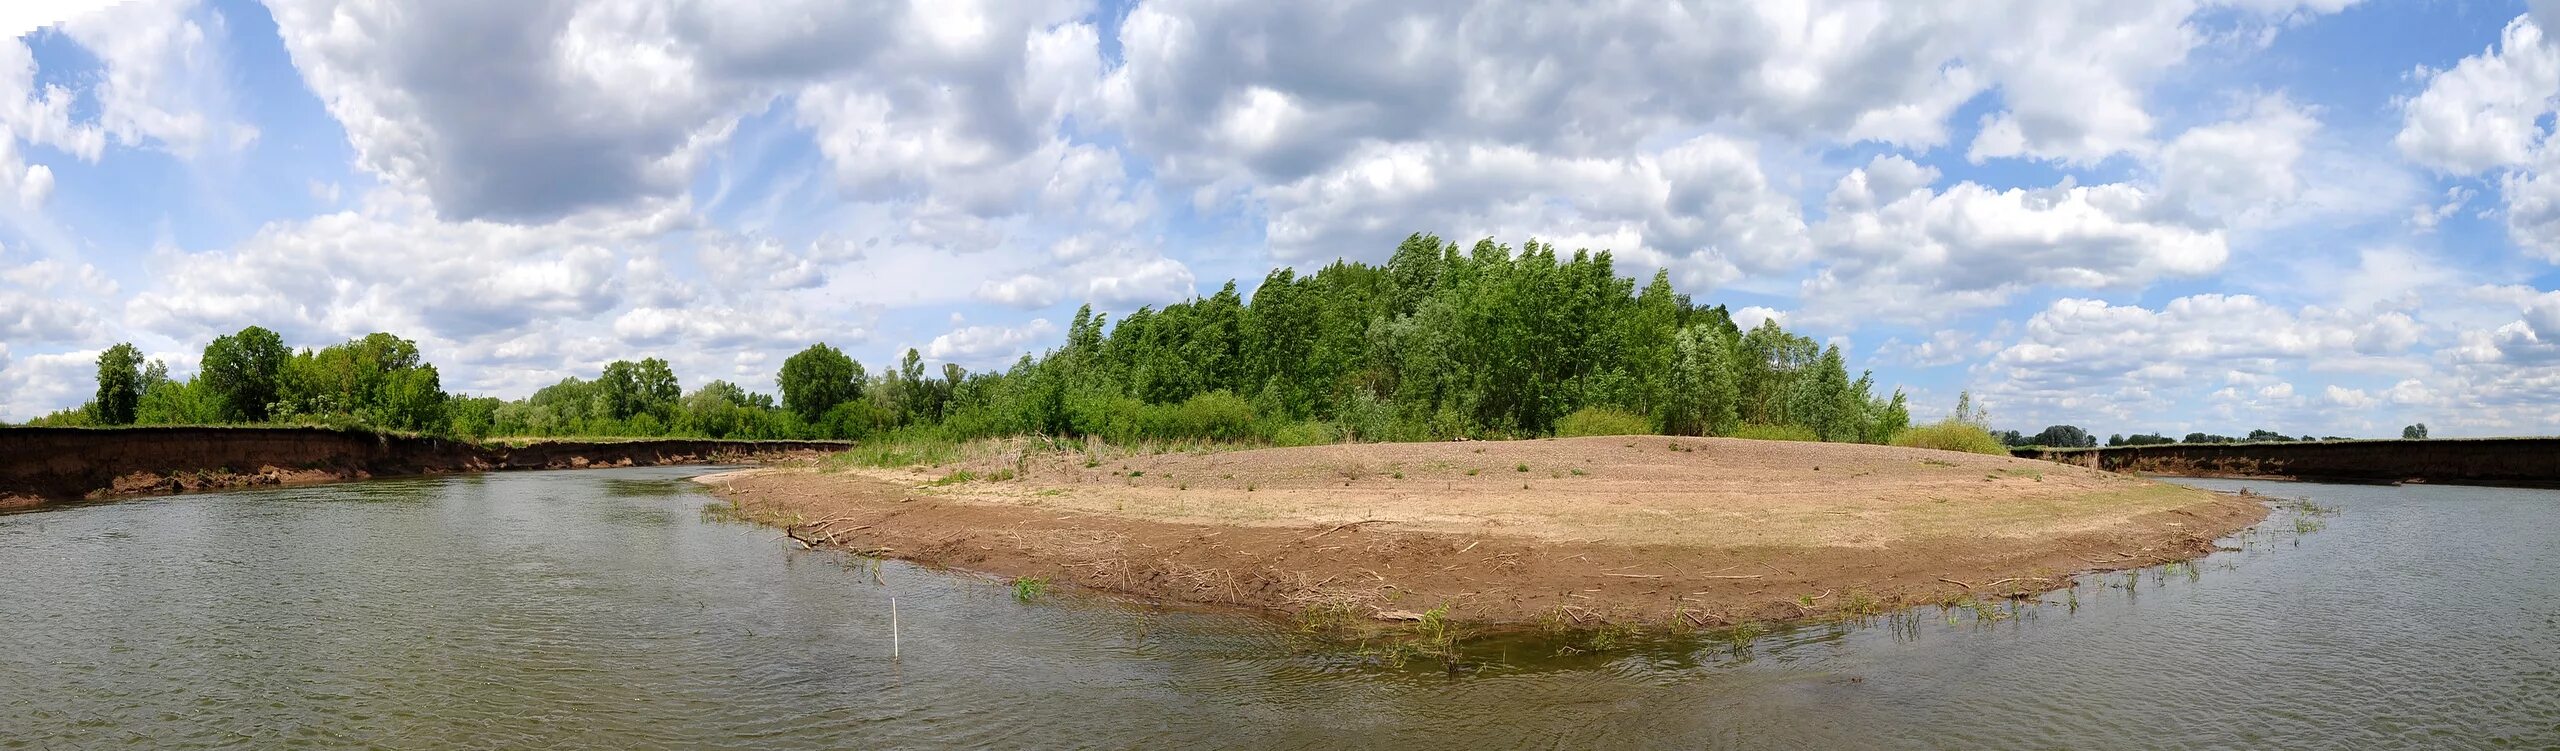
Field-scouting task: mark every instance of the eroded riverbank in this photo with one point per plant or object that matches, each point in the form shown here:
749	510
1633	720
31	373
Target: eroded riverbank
1668	532
46	465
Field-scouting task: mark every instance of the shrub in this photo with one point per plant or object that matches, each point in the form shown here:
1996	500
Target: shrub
1951	435
1217	415
1596	421
1777	433
1304	433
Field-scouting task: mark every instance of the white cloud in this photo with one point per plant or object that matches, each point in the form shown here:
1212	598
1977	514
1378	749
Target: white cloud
2243	169
987	344
1701	207
2482	112
2083	359
1021	291
1923	253
165	78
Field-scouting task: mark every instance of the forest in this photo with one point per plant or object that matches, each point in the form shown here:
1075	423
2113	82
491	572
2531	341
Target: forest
1439	342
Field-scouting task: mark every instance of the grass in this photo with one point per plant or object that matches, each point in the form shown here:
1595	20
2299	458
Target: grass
1029	588
954	478
1951	435
1777	433
898	450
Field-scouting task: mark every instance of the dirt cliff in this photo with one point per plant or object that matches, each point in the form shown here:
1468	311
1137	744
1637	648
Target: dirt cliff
39	465
2529	462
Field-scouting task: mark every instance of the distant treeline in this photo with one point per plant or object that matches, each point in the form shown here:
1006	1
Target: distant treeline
2071	436
1439	342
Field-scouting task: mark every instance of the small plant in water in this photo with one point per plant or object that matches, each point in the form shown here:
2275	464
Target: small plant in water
1029	588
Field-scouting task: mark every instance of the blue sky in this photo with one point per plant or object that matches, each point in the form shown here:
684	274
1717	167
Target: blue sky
2320	216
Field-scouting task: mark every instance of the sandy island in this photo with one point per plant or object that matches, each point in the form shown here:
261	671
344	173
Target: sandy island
1689	532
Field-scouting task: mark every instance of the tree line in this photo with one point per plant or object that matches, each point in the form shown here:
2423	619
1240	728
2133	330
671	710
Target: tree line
1441	341
2072	436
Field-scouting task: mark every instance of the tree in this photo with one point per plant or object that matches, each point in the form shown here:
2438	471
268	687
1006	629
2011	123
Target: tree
821	377
1704	392
2064	436
378	380
2414	432
243	372
632	389
119	384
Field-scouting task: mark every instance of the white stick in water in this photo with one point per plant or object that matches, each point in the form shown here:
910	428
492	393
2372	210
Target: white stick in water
893	628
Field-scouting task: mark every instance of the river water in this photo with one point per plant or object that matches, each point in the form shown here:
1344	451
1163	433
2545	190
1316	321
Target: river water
609	609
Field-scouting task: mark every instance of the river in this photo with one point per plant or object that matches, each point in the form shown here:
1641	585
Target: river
610	609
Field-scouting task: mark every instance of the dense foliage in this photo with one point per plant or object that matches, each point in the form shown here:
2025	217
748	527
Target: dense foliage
1439	342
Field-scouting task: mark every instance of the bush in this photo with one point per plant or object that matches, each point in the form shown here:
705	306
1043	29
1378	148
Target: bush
1777	433
1304	433
1597	421
1950	435
1217	415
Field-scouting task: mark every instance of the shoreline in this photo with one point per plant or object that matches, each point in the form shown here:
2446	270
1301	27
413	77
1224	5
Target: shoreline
42	467
1298	542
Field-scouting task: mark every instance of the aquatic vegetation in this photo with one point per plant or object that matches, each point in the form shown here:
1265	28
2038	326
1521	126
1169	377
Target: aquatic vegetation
1029	588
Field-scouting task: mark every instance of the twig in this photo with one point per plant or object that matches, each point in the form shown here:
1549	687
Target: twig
1733	576
1340	527
1635	576
1967	587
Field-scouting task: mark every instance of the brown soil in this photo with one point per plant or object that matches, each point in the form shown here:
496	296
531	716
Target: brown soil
1665	531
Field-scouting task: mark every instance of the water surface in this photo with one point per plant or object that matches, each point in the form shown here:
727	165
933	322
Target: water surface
605	609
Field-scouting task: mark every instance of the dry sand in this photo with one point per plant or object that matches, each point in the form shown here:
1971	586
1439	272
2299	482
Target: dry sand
1699	532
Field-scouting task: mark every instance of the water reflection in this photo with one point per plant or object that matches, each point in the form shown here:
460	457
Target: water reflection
619	609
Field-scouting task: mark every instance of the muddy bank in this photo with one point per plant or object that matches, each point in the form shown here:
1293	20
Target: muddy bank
40	465
1700	533
2520	462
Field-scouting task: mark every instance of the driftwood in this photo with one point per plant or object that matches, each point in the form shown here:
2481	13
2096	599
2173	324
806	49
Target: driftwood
1340	527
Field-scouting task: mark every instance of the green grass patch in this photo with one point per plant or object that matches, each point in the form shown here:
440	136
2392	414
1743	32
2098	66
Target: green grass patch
1951	435
1776	433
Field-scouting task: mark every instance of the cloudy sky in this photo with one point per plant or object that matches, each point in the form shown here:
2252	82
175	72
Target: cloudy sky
2303	215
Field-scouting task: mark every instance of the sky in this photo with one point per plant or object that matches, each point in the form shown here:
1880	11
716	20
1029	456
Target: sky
2308	216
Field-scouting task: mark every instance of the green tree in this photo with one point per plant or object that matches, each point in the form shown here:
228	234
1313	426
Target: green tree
1705	386
244	373
119	384
2414	432
821	377
634	389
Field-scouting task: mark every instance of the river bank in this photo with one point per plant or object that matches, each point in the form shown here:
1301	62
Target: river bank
2510	462
48	465
1653	531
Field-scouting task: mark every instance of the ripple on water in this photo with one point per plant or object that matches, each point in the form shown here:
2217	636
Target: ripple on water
602	609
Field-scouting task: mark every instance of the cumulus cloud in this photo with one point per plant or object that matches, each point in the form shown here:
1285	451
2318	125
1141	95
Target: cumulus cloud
1702	207
2243	169
163	82
2489	112
987	343
1896	247
49	301
2482	112
2093	358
